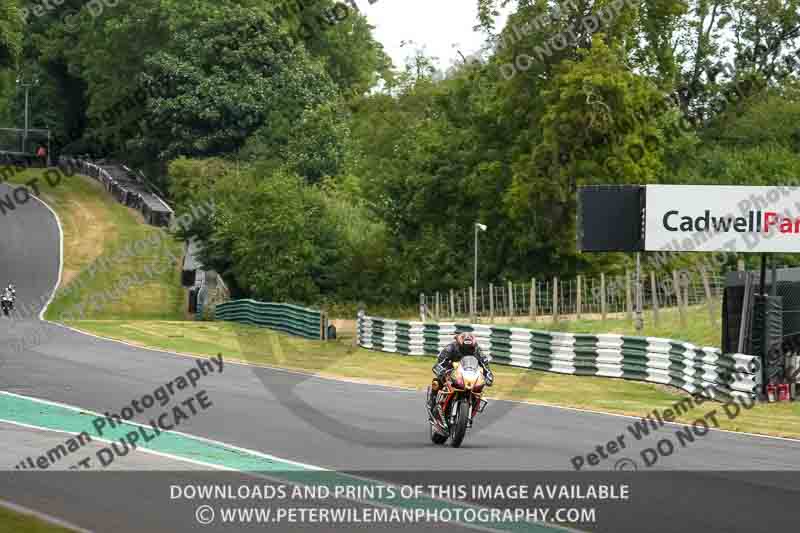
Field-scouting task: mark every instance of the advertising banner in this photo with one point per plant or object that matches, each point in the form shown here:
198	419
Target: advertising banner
705	218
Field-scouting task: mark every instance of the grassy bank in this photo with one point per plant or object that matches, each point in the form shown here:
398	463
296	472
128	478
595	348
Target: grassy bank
22	523
698	330
343	360
97	270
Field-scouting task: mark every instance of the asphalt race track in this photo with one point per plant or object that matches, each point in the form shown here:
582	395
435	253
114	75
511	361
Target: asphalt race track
347	426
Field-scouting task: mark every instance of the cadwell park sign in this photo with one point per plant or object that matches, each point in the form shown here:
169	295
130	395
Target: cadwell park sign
689	218
697	218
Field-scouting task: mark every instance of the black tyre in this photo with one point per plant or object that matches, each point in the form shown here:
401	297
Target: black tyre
437	438
460	427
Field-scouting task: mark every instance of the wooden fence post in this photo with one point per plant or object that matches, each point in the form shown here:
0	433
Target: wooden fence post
677	287
491	302
555	299
709	297
437	306
684	276
533	299
422	306
628	302
654	297
510	302
579	298
452	304
603	295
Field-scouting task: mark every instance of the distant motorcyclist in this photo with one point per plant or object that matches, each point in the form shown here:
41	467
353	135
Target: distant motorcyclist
7	301
464	345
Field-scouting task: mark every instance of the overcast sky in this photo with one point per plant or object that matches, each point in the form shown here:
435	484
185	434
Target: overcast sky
441	26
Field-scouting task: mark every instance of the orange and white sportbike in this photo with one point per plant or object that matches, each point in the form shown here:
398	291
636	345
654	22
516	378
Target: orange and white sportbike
457	402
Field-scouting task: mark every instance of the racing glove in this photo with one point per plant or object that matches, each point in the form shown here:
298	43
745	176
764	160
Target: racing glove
489	378
439	369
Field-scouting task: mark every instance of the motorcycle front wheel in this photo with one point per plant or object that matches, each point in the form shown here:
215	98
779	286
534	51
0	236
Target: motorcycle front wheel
460	427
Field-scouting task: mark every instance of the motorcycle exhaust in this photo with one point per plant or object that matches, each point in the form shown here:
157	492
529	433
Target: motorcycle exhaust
482	406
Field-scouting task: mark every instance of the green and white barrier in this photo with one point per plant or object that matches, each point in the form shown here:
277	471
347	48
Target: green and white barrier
698	370
292	319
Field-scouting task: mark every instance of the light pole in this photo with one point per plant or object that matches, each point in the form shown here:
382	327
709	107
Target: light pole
21	82
478	227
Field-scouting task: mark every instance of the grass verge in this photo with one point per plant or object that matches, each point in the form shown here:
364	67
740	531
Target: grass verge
98	272
22	523
699	328
341	359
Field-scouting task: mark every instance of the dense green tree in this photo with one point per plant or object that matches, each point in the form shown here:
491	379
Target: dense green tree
11	20
274	237
339	178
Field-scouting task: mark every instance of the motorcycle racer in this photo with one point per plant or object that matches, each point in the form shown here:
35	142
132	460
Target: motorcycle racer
7	299
464	344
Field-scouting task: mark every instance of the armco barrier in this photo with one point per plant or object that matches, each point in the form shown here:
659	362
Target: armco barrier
697	370
288	318
128	187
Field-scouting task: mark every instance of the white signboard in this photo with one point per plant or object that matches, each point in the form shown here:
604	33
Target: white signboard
706	218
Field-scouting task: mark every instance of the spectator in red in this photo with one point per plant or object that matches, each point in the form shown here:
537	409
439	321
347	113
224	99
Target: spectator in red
41	154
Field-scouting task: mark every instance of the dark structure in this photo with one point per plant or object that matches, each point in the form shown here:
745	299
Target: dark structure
773	326
190	264
128	187
622	232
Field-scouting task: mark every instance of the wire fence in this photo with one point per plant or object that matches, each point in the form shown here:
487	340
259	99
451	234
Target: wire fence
20	141
580	297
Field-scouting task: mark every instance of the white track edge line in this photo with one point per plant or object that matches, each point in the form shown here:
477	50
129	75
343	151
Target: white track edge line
107	441
187	435
60	256
261	475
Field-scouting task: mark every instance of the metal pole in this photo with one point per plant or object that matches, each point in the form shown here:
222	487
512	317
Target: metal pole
638	294
27	91
25	138
774	289
475	280
764	274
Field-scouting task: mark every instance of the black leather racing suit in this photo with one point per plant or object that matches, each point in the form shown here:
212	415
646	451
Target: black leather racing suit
444	364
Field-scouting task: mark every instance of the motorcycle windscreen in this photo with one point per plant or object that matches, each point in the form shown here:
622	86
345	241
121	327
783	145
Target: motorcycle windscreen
469	363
